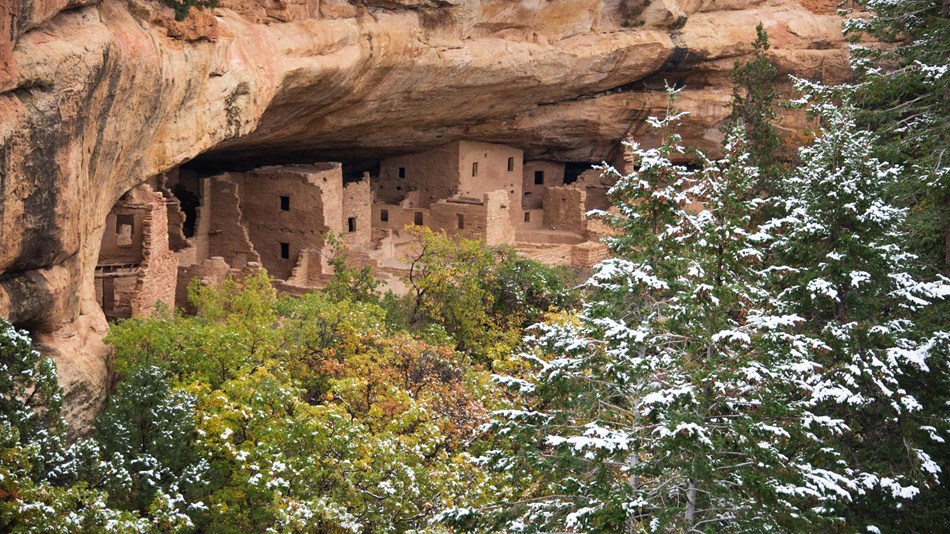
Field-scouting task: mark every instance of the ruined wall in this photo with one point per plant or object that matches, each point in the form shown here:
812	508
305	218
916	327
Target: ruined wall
588	254
222	228
488	220
123	237
136	268
211	271
532	196
434	174
498	167
158	271
315	196
564	209
357	206
597	185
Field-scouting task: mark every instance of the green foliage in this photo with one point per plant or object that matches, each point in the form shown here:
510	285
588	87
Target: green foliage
309	415
753	110
481	297
526	289
656	408
349	283
849	275
39	489
449	281
149	430
183	6
903	95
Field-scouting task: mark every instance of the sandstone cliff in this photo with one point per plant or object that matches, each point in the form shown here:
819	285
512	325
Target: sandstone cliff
97	96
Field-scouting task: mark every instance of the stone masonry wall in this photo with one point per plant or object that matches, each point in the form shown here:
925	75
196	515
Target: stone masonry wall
488	221
315	196
357	204
221	217
158	271
564	209
532	195
434	174
484	167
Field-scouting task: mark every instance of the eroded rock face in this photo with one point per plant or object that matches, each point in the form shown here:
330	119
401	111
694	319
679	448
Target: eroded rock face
97	96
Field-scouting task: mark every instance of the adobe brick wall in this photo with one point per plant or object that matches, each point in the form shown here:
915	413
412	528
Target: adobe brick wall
221	225
211	271
123	243
565	209
357	204
492	173
244	220
588	254
138	268
488	220
532	195
434	174
158	271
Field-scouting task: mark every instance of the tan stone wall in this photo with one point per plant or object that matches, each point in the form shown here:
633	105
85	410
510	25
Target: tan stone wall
434	174
588	254
492	171
564	209
158	271
315	208
136	268
244	220
596	185
398	216
176	220
123	236
532	195
221	222
211	271
488	220
357	204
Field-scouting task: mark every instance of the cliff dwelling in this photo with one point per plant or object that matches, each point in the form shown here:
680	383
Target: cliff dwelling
181	225
136	267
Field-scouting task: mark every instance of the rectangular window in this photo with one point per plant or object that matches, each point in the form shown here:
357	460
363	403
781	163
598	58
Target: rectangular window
417	218
123	229
285	251
460	219
475	169
384	215
402	172
351	224
538	177
511	164
284	203
527	216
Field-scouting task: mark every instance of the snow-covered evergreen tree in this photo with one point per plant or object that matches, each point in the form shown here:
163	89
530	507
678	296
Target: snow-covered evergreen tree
848	274
663	407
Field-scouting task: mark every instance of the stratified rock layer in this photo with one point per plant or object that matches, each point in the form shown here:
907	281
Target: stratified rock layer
96	96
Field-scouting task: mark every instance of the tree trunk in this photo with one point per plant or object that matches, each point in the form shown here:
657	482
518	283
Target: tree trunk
634	482
691	503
